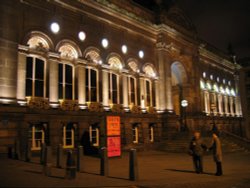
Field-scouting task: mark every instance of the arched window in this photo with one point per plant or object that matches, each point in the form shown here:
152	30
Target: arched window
113	88
37	135
35	77
132	93
148	93
94	134
135	133
91	85
151	132
69	135
65	81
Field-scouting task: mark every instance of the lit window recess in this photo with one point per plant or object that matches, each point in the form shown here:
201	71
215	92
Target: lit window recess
218	79
22	103
6	101
55	28
204	74
211	77
81	35
105	43
141	54
54	105
124	49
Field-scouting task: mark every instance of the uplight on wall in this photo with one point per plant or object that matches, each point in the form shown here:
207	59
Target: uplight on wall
55	28
124	49
141	54
82	35
105	43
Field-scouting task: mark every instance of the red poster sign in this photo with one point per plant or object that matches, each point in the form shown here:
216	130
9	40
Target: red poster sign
114	146
113	126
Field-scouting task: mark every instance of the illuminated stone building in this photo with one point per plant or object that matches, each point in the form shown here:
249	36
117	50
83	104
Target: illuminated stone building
66	65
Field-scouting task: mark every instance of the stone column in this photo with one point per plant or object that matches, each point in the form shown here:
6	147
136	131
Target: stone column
220	104
53	80
125	91
81	74
169	104
105	89
157	93
231	102
238	109
21	76
9	23
142	93
226	105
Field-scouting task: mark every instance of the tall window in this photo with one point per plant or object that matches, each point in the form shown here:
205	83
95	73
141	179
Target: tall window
91	85
94	135
135	133
69	135
151	133
132	90
113	88
37	136
148	92
35	77
65	79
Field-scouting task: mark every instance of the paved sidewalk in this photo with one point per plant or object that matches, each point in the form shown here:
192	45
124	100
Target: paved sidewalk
156	170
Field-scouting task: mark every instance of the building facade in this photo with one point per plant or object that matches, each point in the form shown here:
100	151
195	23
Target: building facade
67	65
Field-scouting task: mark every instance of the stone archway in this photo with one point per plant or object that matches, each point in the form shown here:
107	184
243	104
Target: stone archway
179	79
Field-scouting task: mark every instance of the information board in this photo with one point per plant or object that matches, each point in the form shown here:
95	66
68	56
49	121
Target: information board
113	126
114	146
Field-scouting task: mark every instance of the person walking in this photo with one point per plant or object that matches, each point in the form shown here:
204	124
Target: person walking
196	151
217	153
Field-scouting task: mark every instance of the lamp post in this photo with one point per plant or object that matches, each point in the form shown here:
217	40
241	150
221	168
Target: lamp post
184	104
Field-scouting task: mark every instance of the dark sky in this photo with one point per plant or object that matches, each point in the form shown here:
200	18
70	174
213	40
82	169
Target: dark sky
220	22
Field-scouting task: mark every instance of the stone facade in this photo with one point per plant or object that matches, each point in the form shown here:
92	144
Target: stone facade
54	85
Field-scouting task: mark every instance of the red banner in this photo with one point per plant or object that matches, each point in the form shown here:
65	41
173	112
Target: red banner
113	126
114	146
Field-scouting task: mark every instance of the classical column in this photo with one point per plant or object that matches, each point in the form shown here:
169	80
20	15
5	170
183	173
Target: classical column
9	23
53	79
238	109
105	88
231	103
226	105
157	101
169	98
21	76
220	104
81	75
125	91
142	92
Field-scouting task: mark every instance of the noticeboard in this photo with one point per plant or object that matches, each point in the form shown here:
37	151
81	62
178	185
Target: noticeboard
113	126
114	146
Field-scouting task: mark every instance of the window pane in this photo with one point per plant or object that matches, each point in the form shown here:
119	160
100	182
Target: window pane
114	82
28	87
87	77
39	88
60	90
39	69
68	91
93	95
93	78
115	94
60	73
68	77
29	67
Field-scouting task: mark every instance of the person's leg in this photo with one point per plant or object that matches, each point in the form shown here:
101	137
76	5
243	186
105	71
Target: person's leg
196	167
218	169
201	164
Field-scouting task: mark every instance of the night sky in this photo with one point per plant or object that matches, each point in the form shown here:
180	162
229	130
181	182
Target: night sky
218	22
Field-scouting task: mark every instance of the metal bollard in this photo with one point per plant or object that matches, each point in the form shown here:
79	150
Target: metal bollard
42	153
47	165
79	157
28	152
133	166
17	153
70	166
10	152
104	162
59	156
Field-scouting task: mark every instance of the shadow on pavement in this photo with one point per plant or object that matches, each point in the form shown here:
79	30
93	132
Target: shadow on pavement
189	171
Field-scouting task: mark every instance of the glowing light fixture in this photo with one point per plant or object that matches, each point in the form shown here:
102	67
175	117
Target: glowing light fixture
124	49
55	28
82	35
204	74
141	54
105	43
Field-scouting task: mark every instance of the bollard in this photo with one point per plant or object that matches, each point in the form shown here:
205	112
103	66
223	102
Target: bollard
42	153
59	156
104	162
17	154
10	153
133	167
28	152
79	157
70	166
47	165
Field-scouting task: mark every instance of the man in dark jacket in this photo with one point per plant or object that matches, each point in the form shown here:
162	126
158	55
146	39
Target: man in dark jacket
196	150
217	153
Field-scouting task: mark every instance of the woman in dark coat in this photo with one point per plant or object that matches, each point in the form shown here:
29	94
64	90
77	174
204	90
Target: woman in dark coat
217	153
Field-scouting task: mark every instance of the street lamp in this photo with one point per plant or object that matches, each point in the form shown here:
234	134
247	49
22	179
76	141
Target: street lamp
184	104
